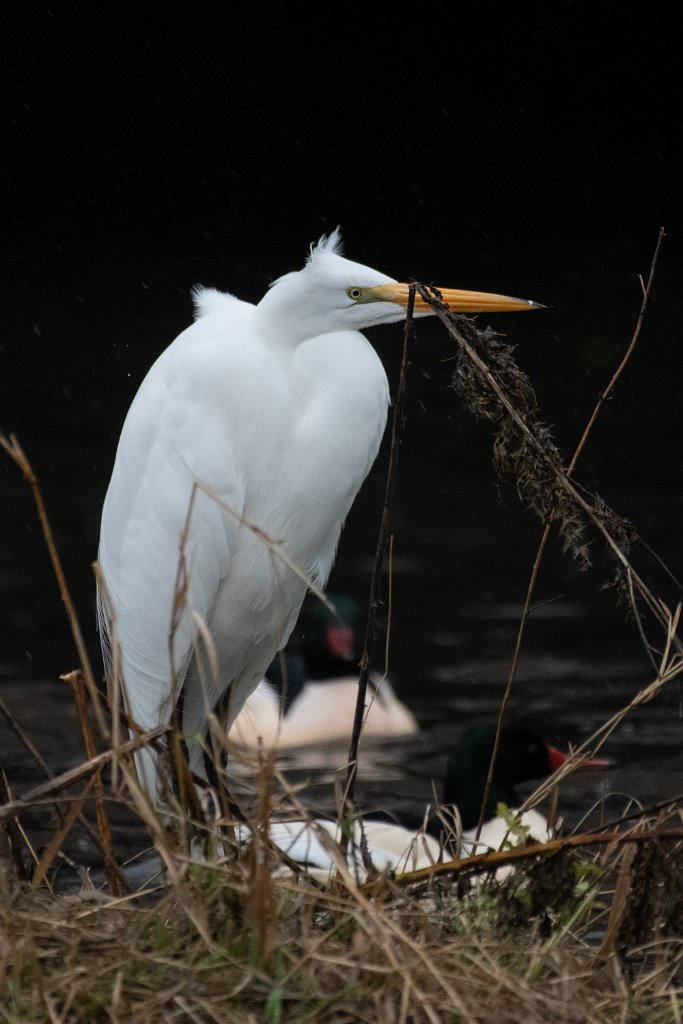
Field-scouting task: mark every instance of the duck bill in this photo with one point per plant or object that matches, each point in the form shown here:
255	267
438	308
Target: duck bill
457	299
589	764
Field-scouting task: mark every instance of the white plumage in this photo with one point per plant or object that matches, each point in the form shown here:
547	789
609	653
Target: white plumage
278	409
393	848
322	713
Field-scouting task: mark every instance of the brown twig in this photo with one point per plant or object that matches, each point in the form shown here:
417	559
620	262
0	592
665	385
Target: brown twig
67	822
13	834
371	625
76	681
552	467
559	475
14	450
602	398
40	761
24	739
518	854
604	395
48	790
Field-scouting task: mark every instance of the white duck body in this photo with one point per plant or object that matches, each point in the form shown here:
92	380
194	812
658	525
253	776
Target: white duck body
310	691
522	757
314	846
393	848
497	834
322	712
282	419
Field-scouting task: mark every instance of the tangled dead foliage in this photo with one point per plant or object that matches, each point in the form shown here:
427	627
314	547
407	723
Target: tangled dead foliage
528	456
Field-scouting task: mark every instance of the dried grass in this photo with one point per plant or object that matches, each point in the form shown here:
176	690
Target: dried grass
230	940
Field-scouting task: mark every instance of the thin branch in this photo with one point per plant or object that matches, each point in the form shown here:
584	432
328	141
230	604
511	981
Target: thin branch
12	832
57	784
16	453
371	626
498	858
75	680
604	395
42	764
534	436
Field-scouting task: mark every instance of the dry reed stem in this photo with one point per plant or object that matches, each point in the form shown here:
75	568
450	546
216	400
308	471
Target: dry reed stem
562	478
110	644
53	847
13	833
58	783
485	862
114	879
36	756
24	739
595	741
13	448
547	529
558	474
373	602
77	679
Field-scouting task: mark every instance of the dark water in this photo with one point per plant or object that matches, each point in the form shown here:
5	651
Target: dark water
462	554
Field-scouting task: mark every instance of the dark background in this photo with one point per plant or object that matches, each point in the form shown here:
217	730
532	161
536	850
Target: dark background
529	149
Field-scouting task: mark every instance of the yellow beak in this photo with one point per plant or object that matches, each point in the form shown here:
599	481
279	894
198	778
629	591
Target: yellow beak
457	299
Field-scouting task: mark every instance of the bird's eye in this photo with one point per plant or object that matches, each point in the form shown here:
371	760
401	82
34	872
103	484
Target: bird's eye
354	293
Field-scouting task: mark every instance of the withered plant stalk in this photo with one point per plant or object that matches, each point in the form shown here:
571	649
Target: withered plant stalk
14	450
547	529
523	447
373	603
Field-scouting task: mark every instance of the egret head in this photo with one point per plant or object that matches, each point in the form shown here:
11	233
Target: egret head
333	294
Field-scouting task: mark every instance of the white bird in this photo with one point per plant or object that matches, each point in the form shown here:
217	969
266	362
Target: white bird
522	757
277	410
314	701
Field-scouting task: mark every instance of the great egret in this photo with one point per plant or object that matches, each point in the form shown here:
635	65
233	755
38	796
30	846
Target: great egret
522	757
316	700
277	411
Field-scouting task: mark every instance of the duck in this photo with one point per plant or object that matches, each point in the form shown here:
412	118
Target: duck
523	756
313	700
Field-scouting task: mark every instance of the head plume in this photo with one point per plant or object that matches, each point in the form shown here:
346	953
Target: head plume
325	244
